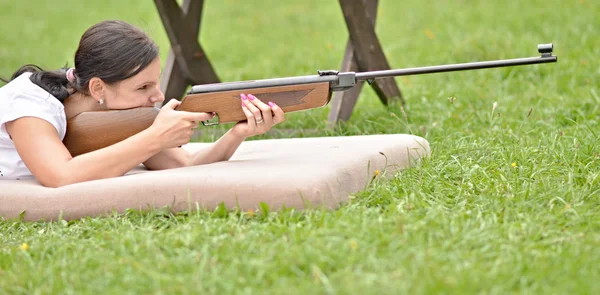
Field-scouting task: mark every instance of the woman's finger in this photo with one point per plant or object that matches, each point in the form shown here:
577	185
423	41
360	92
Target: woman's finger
278	114
249	116
265	109
256	113
247	112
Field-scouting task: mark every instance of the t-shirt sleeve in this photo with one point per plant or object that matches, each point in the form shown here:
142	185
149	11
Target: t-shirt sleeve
27	105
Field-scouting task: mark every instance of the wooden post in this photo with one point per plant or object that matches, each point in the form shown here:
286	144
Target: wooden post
186	63
363	53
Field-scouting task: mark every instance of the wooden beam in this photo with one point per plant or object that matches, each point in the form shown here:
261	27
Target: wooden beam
186	64
343	102
367	49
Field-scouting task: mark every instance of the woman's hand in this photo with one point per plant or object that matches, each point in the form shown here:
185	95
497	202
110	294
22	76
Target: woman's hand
175	128
260	116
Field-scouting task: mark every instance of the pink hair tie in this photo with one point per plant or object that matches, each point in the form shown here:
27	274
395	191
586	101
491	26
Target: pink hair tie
70	75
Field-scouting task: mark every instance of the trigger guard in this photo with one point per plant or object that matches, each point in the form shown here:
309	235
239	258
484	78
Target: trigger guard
209	123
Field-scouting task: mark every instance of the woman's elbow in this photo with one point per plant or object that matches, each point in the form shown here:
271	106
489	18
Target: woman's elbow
168	160
60	179
55	180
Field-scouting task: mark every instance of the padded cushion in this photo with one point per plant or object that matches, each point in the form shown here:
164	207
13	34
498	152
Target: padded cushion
296	172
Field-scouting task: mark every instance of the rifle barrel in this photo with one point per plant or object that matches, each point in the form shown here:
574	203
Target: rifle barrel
345	80
273	82
455	67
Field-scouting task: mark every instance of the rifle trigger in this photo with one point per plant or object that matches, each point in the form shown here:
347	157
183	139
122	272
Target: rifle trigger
370	81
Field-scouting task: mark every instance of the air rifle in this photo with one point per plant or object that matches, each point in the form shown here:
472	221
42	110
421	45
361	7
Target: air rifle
93	130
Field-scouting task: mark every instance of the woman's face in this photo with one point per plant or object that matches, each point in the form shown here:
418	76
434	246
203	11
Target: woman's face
141	90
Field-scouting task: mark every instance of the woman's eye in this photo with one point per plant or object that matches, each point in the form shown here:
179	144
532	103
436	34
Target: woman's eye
143	87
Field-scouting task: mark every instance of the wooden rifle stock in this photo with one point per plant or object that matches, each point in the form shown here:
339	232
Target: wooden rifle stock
94	130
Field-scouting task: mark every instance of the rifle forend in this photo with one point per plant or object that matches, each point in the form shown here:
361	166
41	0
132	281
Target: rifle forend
306	92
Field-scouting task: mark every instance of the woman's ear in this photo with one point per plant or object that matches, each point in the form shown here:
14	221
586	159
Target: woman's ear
97	88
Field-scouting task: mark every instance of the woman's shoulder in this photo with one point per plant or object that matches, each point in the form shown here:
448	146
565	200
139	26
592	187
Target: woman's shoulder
21	98
19	83
23	90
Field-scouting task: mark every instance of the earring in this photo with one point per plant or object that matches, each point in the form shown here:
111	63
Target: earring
101	101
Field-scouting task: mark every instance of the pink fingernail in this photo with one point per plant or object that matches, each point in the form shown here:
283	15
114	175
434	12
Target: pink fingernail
271	104
252	97
243	96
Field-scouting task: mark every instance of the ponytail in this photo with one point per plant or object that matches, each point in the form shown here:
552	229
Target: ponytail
54	82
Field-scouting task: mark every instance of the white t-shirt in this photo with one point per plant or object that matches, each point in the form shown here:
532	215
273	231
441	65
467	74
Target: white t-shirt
22	98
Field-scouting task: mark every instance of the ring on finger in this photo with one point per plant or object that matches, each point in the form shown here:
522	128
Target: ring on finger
260	120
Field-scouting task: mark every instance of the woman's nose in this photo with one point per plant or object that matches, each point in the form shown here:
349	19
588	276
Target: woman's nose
158	97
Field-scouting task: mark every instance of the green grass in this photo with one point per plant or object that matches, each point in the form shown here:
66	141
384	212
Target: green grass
465	221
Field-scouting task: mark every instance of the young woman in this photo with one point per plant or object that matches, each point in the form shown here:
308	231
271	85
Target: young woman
117	66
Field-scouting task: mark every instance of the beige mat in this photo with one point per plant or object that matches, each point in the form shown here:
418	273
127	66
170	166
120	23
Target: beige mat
298	172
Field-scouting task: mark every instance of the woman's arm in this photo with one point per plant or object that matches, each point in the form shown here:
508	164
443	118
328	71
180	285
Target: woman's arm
220	150
225	147
48	159
42	151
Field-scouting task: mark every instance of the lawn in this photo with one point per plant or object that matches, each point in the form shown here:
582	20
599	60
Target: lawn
507	203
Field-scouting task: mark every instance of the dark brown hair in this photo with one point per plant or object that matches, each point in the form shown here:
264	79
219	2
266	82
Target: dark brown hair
110	50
